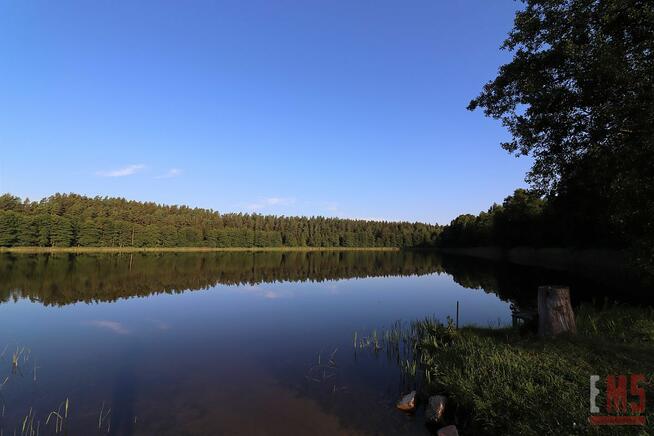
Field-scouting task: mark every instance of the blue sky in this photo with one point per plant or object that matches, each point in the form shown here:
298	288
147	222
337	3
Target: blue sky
339	108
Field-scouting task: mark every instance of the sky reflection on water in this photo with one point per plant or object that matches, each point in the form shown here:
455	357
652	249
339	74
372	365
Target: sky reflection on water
230	355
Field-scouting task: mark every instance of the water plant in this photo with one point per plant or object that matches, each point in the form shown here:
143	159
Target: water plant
102	418
28	428
325	374
59	415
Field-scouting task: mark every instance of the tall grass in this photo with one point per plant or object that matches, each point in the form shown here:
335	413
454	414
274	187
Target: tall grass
617	322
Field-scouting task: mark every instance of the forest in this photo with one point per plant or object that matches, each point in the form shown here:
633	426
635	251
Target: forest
527	218
71	220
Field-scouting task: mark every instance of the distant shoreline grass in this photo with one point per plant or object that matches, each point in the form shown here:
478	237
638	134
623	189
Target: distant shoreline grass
36	250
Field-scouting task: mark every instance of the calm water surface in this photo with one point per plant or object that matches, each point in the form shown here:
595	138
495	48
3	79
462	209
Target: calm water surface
224	343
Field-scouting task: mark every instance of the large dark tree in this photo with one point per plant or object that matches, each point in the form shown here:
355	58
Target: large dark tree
578	96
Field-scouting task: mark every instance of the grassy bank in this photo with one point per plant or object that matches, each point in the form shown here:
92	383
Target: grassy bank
32	250
510	382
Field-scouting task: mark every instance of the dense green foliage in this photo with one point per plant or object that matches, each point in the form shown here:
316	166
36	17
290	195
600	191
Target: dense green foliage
520	220
578	96
65	220
526	218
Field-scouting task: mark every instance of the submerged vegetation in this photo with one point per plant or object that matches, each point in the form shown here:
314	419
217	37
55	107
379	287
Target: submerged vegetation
510	382
31	421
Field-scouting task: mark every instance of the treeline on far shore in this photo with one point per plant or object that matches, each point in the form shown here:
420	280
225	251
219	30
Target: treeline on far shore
524	219
71	220
529	219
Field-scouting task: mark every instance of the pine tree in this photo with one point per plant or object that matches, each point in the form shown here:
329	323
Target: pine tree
28	232
62	232
89	234
9	223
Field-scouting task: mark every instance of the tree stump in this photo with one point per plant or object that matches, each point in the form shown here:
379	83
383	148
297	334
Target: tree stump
555	315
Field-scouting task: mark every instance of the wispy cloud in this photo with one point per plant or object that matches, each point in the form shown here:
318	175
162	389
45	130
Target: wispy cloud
270	201
112	326
173	172
122	172
331	206
160	325
266	291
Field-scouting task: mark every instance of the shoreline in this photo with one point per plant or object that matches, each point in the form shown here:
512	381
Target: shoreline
79	250
445	360
602	262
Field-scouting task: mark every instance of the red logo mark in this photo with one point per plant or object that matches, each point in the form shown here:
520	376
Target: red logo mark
617	404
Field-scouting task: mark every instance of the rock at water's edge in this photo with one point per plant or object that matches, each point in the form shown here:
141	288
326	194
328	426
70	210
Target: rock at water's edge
408	402
435	408
450	430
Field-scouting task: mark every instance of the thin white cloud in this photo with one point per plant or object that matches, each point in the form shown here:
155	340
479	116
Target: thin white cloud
276	200
270	201
160	325
173	172
112	326
270	292
122	172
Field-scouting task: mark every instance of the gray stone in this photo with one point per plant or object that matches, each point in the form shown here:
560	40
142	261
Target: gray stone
450	430
407	402
435	408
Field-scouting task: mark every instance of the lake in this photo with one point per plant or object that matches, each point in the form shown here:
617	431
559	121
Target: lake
228	343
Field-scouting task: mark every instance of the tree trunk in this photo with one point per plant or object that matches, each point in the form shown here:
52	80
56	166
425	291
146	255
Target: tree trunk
555	315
